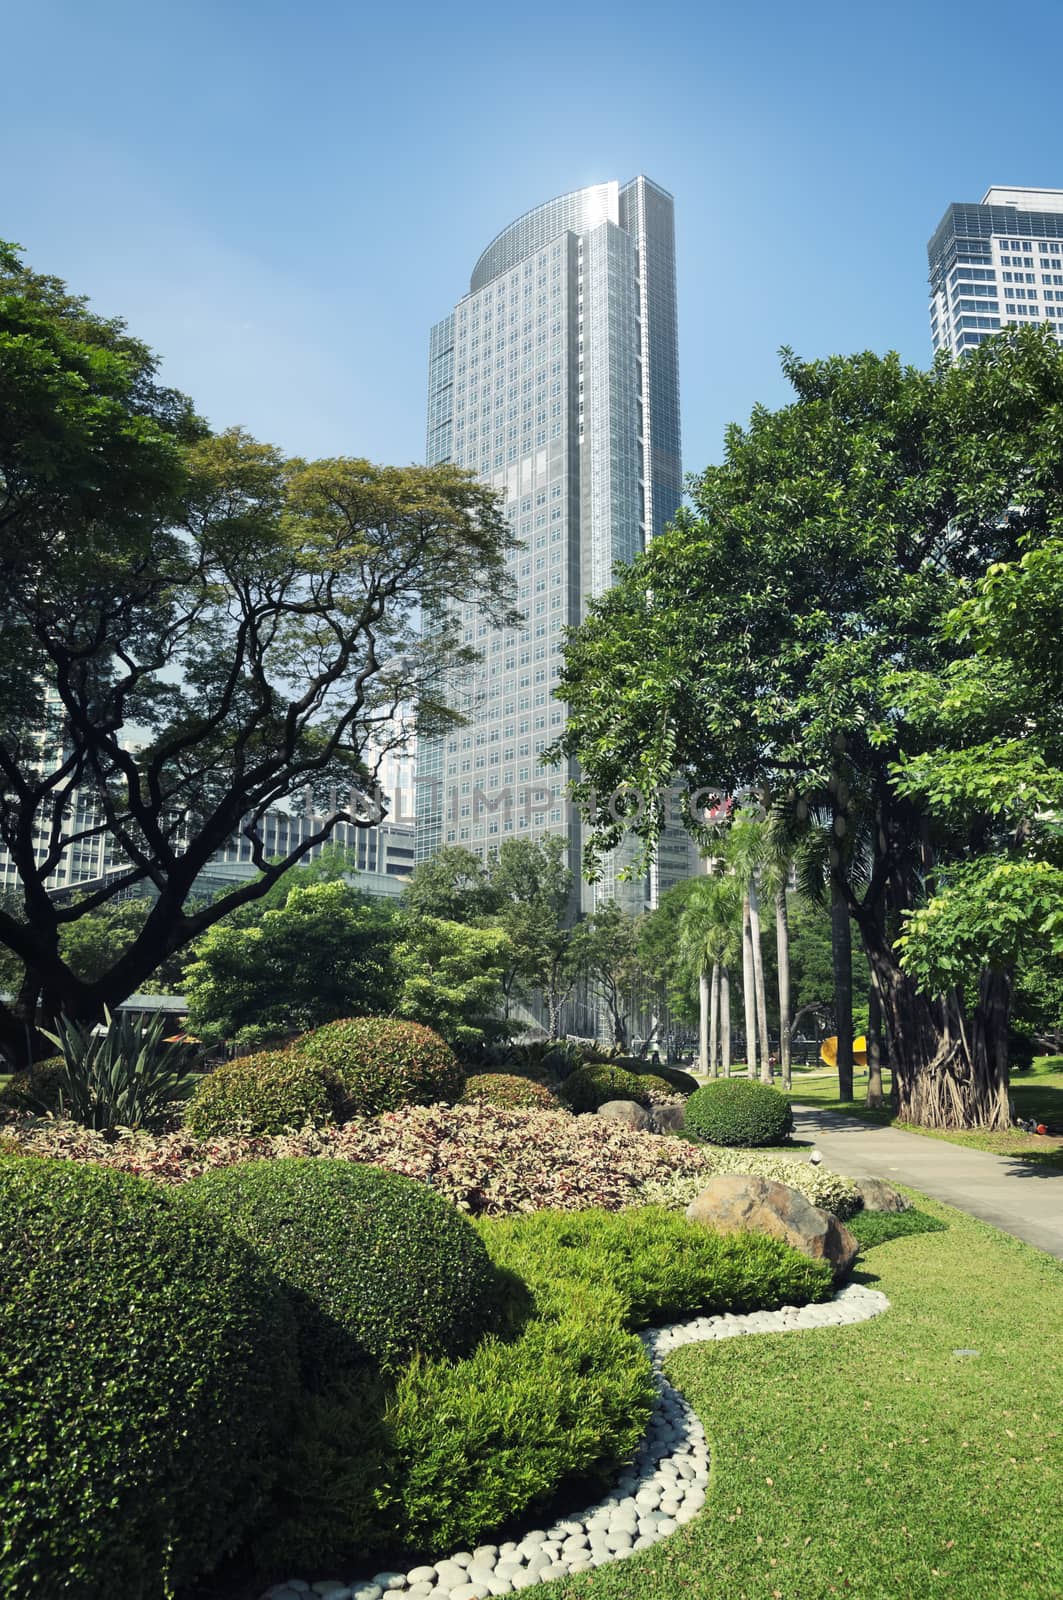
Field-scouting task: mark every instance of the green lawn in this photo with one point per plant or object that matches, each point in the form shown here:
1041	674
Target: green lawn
1037	1094
880	1460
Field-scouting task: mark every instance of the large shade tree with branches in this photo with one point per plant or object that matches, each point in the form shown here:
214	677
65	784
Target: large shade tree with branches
195	629
756	646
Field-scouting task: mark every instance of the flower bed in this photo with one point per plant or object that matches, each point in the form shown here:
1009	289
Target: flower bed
487	1160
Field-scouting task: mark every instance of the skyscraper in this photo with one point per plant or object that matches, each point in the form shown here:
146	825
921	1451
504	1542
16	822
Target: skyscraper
995	263
556	380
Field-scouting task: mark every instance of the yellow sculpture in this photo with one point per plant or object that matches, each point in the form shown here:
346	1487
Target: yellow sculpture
828	1051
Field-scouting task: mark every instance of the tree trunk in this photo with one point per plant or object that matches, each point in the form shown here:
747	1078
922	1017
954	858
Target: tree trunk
782	946
714	1023
842	960
725	1021
875	1096
704	985
758	981
945	1075
749	990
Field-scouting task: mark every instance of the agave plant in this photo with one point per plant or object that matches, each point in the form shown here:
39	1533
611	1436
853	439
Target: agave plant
123	1077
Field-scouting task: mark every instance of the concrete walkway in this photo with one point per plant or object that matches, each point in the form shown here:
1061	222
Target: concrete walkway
1015	1196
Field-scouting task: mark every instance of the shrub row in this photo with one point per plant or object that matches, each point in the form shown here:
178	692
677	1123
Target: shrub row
358	1067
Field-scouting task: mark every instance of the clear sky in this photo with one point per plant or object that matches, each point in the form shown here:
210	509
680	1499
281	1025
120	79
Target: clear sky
282	198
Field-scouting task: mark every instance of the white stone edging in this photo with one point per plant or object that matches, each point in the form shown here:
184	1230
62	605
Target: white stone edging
663	1488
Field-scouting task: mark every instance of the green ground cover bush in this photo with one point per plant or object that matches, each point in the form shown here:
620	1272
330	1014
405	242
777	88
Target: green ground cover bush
878	1227
508	1090
738	1111
680	1082
379	1267
661	1266
384	1064
148	1370
824	1188
275	1091
37	1089
592	1086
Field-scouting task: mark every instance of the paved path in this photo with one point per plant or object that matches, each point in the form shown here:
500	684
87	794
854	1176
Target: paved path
1015	1196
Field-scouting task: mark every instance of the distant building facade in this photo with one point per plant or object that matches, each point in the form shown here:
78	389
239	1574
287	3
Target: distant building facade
555	379
996	263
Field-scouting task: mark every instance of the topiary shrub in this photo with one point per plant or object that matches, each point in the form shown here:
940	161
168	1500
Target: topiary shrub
148	1373
592	1086
738	1111
36	1089
507	1090
383	1064
276	1091
678	1082
379	1267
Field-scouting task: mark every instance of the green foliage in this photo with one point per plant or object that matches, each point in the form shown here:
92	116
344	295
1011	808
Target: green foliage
736	1111
452	886
671	1078
498	1435
325	952
37	1089
590	1087
380	1268
148	1379
605	952
533	884
506	1089
383	1063
272	1092
452	978
126	1077
984	912
879	1227
662	1267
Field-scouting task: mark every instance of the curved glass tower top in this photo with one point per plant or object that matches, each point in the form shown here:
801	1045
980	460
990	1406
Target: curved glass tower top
576	212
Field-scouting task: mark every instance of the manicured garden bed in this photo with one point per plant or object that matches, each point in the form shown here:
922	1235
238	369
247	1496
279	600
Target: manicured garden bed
918	1455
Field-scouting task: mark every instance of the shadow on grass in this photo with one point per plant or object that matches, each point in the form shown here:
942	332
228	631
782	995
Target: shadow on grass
878	1227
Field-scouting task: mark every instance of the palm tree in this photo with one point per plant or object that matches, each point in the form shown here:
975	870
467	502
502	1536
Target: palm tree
708	945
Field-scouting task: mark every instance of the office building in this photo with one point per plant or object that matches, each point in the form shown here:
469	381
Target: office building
555	379
996	263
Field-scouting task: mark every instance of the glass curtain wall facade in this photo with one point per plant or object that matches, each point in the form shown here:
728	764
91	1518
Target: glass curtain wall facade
996	263
555	379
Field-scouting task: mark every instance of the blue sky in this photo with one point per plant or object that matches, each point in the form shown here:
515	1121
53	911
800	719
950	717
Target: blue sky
282	198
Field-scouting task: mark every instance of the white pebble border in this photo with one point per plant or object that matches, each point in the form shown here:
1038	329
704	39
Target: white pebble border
664	1486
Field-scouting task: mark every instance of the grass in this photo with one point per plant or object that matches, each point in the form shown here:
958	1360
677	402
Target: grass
917	1455
1037	1094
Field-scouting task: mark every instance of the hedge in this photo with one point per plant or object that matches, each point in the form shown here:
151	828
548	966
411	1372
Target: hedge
738	1111
383	1064
275	1091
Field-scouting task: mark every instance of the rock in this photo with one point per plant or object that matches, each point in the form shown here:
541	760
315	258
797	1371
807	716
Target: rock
390	1580
332	1589
421	1575
668	1119
741	1202
627	1112
880	1196
471	1591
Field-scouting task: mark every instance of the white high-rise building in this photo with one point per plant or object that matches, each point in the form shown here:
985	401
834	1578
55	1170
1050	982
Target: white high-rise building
996	263
556	380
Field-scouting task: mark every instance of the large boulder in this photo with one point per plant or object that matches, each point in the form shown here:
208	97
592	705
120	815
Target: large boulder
627	1112
668	1119
880	1196
742	1202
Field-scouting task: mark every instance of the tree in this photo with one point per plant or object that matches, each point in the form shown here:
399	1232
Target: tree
708	948
532	883
453	885
995	722
327	952
605	951
257	622
756	645
452	978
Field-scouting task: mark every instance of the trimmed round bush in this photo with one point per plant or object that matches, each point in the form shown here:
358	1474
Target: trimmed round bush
276	1091
507	1090
592	1086
383	1064
738	1111
36	1089
378	1266
148	1375
678	1082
